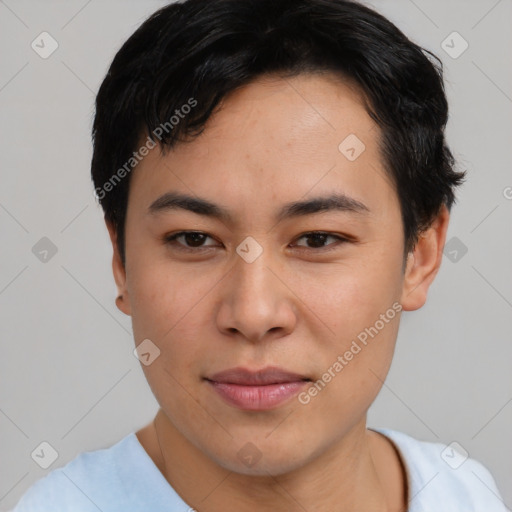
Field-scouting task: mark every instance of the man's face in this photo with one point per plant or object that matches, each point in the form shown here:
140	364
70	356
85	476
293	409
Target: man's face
281	298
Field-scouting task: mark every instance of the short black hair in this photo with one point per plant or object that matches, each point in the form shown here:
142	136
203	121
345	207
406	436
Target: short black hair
195	52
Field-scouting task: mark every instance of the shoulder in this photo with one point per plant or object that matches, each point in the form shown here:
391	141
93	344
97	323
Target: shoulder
440	473
81	485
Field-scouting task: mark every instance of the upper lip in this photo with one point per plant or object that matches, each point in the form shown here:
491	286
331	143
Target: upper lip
246	377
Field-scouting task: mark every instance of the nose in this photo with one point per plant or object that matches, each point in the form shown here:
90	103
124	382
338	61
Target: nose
257	301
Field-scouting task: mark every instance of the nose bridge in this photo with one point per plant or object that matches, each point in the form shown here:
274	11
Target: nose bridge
251	273
255	300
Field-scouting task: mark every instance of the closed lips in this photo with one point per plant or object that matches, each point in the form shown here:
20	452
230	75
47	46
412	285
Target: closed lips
267	376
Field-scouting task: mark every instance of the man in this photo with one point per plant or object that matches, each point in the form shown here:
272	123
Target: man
277	187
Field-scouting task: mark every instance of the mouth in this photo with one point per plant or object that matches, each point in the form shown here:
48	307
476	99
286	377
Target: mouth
257	390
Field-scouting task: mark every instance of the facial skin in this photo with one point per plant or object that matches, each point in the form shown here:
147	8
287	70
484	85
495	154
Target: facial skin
297	306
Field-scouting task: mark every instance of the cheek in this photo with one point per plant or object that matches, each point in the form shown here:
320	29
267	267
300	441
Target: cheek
349	296
167	309
169	306
163	296
359	304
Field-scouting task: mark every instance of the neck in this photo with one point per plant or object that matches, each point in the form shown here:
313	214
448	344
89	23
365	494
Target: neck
344	478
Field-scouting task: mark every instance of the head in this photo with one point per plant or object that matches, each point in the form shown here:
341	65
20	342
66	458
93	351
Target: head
277	119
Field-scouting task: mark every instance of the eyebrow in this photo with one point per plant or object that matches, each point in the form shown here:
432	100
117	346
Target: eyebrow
332	202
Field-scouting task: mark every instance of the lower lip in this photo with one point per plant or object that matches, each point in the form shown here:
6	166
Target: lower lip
257	398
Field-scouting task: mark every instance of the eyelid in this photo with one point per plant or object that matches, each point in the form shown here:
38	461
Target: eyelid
171	240
325	233
340	239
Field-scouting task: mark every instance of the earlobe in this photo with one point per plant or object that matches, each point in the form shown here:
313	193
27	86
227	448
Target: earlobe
119	271
423	262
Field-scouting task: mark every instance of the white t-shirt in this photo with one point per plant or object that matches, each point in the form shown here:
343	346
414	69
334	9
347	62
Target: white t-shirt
123	478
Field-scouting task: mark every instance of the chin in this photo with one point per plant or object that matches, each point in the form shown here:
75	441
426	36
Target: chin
264	467
262	459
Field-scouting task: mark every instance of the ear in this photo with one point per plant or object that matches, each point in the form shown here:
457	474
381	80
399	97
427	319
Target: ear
123	299
423	262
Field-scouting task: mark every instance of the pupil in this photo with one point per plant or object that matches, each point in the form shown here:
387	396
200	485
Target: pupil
319	237
197	238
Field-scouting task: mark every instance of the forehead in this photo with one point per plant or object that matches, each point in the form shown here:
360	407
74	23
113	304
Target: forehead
274	112
276	140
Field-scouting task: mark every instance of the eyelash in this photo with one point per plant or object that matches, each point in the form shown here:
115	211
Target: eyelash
171	240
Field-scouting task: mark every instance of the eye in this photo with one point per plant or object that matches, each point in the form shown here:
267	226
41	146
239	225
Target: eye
318	238
193	240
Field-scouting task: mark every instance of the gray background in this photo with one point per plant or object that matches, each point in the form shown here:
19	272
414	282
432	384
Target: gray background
68	374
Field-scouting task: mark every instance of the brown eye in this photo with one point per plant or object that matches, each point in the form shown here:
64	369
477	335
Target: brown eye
188	240
317	240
